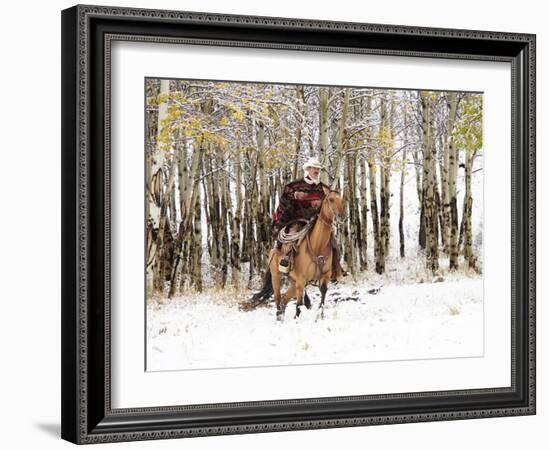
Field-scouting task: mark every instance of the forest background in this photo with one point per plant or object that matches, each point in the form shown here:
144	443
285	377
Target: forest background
217	155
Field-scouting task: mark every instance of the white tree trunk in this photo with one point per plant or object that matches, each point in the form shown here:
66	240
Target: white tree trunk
155	188
430	213
340	138
451	195
323	131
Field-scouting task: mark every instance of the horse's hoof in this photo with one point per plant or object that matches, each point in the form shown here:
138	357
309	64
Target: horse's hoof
320	313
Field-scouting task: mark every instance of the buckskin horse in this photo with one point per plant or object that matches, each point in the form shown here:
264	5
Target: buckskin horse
312	261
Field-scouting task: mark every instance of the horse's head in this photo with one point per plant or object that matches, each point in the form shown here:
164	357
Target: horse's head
333	205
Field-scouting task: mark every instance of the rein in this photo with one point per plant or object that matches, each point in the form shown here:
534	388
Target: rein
320	259
334	217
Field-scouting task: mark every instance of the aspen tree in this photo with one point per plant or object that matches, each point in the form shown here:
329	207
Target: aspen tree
402	184
378	248
430	213
451	193
323	130
236	224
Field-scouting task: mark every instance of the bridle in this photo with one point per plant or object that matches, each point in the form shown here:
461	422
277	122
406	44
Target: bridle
335	216
320	259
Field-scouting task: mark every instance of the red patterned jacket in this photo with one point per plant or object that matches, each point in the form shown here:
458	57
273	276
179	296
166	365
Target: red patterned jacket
290	208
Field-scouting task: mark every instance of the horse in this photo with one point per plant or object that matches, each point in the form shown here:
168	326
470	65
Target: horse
312	261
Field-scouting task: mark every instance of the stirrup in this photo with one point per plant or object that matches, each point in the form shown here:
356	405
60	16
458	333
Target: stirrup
284	264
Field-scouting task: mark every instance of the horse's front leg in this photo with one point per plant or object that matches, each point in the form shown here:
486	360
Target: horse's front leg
323	288
307	301
323	282
300	285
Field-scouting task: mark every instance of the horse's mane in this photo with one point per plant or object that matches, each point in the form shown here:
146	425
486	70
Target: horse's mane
316	216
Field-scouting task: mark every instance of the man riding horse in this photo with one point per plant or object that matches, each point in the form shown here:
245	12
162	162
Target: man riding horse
302	199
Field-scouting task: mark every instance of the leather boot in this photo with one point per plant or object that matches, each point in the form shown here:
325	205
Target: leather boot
284	261
284	264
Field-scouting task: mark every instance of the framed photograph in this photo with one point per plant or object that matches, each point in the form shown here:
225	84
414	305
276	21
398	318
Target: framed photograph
278	224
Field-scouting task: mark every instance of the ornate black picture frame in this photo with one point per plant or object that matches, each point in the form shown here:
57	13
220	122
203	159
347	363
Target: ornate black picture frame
87	34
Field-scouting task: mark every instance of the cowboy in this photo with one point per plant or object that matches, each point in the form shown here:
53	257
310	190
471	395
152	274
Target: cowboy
302	199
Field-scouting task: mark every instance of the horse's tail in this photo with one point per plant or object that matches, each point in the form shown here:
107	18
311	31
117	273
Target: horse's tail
267	288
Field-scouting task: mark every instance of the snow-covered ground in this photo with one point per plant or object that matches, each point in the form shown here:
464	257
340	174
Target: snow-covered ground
411	317
402	321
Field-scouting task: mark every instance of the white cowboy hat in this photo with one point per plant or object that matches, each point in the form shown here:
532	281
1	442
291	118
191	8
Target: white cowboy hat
312	162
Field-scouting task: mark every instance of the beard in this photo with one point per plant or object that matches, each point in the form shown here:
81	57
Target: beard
311	179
